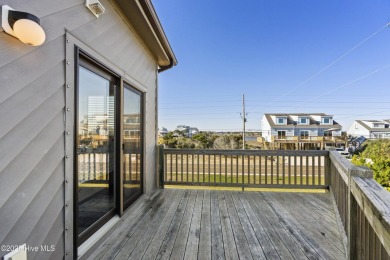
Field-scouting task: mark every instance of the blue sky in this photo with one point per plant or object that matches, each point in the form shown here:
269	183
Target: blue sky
285	56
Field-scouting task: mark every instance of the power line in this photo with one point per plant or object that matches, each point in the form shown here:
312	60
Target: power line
198	118
276	101
196	102
291	106
326	102
378	112
352	81
342	86
335	61
197	113
199	107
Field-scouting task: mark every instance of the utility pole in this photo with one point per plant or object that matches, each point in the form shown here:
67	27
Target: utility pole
243	115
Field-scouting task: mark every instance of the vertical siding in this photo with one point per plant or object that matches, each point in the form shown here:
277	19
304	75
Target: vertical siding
32	103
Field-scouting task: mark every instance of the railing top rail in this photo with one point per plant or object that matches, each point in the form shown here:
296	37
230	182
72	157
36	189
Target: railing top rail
375	202
247	152
340	162
371	197
347	169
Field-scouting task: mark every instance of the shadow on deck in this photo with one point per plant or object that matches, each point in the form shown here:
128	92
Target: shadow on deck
204	224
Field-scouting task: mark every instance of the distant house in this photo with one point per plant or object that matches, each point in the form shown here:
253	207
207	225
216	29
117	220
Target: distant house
301	129
370	129
188	130
78	122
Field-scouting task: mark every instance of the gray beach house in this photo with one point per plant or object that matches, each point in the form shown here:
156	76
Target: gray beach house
78	120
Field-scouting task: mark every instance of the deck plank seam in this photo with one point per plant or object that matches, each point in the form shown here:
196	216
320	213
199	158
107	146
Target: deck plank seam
294	231
323	238
295	224
160	254
328	226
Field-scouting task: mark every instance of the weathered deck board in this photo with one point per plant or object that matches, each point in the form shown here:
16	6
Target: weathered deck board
229	244
228	225
151	221
179	247
317	231
170	237
265	212
323	224
217	252
262	236
205	231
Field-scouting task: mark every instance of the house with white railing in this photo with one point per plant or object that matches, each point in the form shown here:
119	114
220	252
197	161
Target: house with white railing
301	130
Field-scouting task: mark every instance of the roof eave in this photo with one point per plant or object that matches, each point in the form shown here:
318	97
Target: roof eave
144	19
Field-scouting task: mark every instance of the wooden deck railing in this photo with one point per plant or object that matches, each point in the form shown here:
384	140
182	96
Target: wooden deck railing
307	138
364	208
245	168
363	205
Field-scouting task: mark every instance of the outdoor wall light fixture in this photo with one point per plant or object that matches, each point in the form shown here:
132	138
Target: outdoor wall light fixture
95	7
24	26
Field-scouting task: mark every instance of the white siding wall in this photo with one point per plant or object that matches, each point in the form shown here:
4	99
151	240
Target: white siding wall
357	129
265	129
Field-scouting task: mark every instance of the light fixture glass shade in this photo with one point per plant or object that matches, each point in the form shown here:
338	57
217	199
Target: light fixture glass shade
29	32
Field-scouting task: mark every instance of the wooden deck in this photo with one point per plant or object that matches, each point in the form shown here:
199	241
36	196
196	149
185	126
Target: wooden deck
203	224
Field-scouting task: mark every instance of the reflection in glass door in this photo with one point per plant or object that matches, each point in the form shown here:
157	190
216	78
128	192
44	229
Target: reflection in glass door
132	145
95	149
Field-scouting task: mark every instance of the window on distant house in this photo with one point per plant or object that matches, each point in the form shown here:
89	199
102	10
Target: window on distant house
376	125
303	121
327	133
326	120
304	134
280	120
281	134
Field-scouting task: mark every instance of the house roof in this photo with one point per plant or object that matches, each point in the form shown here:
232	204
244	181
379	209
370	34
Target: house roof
376	129
291	123
374	121
298	114
144	19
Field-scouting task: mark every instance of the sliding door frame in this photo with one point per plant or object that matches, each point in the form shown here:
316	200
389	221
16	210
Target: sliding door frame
85	60
130	87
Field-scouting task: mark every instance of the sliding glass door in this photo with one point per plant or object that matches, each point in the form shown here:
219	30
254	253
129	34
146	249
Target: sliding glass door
96	153
109	147
132	145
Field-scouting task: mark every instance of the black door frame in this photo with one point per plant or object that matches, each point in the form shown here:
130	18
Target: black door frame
128	86
82	58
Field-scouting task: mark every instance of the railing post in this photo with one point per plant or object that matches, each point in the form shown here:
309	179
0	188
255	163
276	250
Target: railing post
327	171
352	211
363	172
161	167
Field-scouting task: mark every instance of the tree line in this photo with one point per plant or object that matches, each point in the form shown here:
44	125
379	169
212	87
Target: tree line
202	140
